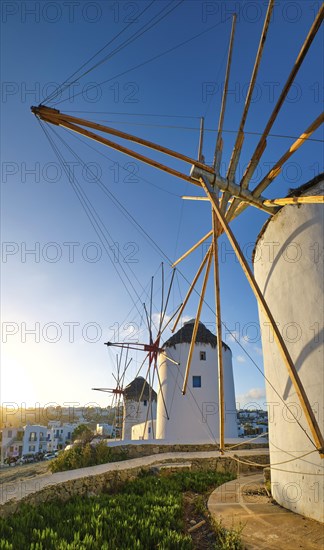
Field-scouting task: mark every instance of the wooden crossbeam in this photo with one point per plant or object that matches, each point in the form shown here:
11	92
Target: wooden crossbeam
58	117
194	247
119	148
310	199
191	288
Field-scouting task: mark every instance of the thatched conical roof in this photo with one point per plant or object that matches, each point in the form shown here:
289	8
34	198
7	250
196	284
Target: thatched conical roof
184	335
134	390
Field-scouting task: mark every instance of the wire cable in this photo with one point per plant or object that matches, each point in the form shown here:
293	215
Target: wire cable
136	35
85	204
66	81
147	61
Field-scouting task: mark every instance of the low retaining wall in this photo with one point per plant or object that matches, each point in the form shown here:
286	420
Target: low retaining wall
109	481
139	450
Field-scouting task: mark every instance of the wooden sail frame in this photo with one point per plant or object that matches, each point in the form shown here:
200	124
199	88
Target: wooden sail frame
234	198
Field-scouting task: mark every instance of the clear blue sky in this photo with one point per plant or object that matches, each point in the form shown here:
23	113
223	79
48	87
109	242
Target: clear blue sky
73	302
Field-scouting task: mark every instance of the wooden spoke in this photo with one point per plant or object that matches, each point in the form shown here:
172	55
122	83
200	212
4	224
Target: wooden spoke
219	141
201	140
192	198
209	234
195	329
237	208
240	135
300	58
221	393
192	286
170	359
310	199
61	118
167	301
299	388
121	148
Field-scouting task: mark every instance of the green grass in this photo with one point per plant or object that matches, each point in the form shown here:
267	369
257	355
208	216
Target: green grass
145	514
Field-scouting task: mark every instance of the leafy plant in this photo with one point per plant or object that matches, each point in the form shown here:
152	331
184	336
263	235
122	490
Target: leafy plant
147	513
87	455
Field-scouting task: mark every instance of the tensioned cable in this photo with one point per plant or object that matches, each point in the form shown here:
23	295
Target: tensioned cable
128	41
60	87
211	130
158	56
131	39
251	463
99	180
81	196
237	341
85	142
133	114
105	189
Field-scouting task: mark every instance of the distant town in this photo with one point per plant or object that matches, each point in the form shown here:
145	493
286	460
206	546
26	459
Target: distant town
29	435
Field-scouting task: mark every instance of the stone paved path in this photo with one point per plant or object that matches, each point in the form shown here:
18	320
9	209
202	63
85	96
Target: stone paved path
266	526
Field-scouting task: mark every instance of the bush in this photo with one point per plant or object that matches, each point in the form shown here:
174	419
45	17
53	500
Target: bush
88	455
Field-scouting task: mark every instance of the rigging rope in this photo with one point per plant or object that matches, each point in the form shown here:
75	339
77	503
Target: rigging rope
91	216
66	82
136	35
154	58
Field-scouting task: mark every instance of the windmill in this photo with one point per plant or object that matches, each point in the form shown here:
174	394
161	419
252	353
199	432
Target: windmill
227	200
154	347
118	391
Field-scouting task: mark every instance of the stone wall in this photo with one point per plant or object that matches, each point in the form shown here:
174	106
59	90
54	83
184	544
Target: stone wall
137	451
109	482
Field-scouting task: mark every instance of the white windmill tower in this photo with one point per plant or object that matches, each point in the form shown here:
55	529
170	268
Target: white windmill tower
194	417
291	277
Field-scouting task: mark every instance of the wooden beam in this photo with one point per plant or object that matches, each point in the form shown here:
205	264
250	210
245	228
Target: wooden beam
192	198
221	402
195	329
120	148
192	286
236	207
275	171
299	60
293	374
219	141
240	135
310	199
62	117
201	140
209	234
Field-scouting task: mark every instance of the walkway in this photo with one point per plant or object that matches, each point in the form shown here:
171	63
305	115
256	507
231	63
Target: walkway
20	488
266	526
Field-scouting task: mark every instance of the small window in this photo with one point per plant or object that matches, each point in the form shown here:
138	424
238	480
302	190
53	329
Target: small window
149	430
145	403
202	356
196	381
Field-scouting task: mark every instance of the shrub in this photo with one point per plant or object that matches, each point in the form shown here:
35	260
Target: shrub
88	455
